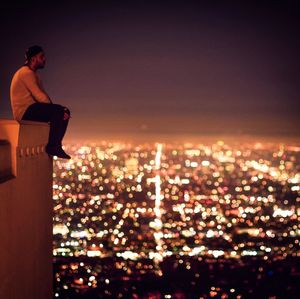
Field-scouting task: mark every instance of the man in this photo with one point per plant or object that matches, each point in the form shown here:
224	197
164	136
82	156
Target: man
30	101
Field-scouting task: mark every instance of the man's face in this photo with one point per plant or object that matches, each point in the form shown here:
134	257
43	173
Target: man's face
40	60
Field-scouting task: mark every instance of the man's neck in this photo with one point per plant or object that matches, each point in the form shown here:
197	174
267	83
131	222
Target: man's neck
32	67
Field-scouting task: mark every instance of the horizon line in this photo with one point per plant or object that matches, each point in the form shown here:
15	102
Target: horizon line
143	137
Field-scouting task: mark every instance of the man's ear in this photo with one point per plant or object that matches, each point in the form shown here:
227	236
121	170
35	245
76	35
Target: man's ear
33	59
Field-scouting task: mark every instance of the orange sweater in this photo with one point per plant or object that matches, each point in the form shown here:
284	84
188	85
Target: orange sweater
26	89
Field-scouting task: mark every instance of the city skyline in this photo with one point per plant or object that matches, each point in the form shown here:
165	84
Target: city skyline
189	219
153	68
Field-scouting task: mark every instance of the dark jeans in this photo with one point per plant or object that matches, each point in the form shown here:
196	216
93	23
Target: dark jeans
53	113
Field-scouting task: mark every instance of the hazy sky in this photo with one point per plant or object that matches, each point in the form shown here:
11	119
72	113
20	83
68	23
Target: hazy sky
177	67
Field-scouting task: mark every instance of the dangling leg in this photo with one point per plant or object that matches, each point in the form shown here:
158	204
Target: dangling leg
58	116
58	125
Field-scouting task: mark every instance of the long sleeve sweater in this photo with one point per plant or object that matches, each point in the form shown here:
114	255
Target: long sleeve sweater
26	89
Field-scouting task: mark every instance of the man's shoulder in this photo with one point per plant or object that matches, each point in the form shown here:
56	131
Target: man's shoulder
24	71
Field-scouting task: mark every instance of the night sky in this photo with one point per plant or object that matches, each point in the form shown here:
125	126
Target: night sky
143	67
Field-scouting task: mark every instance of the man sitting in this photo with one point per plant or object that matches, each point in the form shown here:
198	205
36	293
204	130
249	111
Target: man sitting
30	101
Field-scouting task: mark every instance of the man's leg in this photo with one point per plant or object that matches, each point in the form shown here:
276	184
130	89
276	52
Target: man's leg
58	124
38	112
58	116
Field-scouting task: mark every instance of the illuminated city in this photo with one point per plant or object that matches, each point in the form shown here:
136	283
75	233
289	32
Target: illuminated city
182	122
169	220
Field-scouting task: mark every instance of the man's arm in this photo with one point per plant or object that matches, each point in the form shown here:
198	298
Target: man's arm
31	82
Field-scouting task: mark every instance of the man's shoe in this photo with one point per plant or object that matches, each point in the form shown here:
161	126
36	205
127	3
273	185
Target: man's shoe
57	151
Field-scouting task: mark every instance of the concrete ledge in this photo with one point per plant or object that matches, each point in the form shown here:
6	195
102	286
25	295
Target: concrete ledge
26	138
26	211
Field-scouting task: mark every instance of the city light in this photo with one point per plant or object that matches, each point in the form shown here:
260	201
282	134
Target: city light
142	207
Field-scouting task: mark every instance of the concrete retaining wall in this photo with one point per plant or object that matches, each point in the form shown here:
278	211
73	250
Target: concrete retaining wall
25	211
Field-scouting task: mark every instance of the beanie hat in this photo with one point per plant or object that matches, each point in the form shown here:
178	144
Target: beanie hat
32	51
